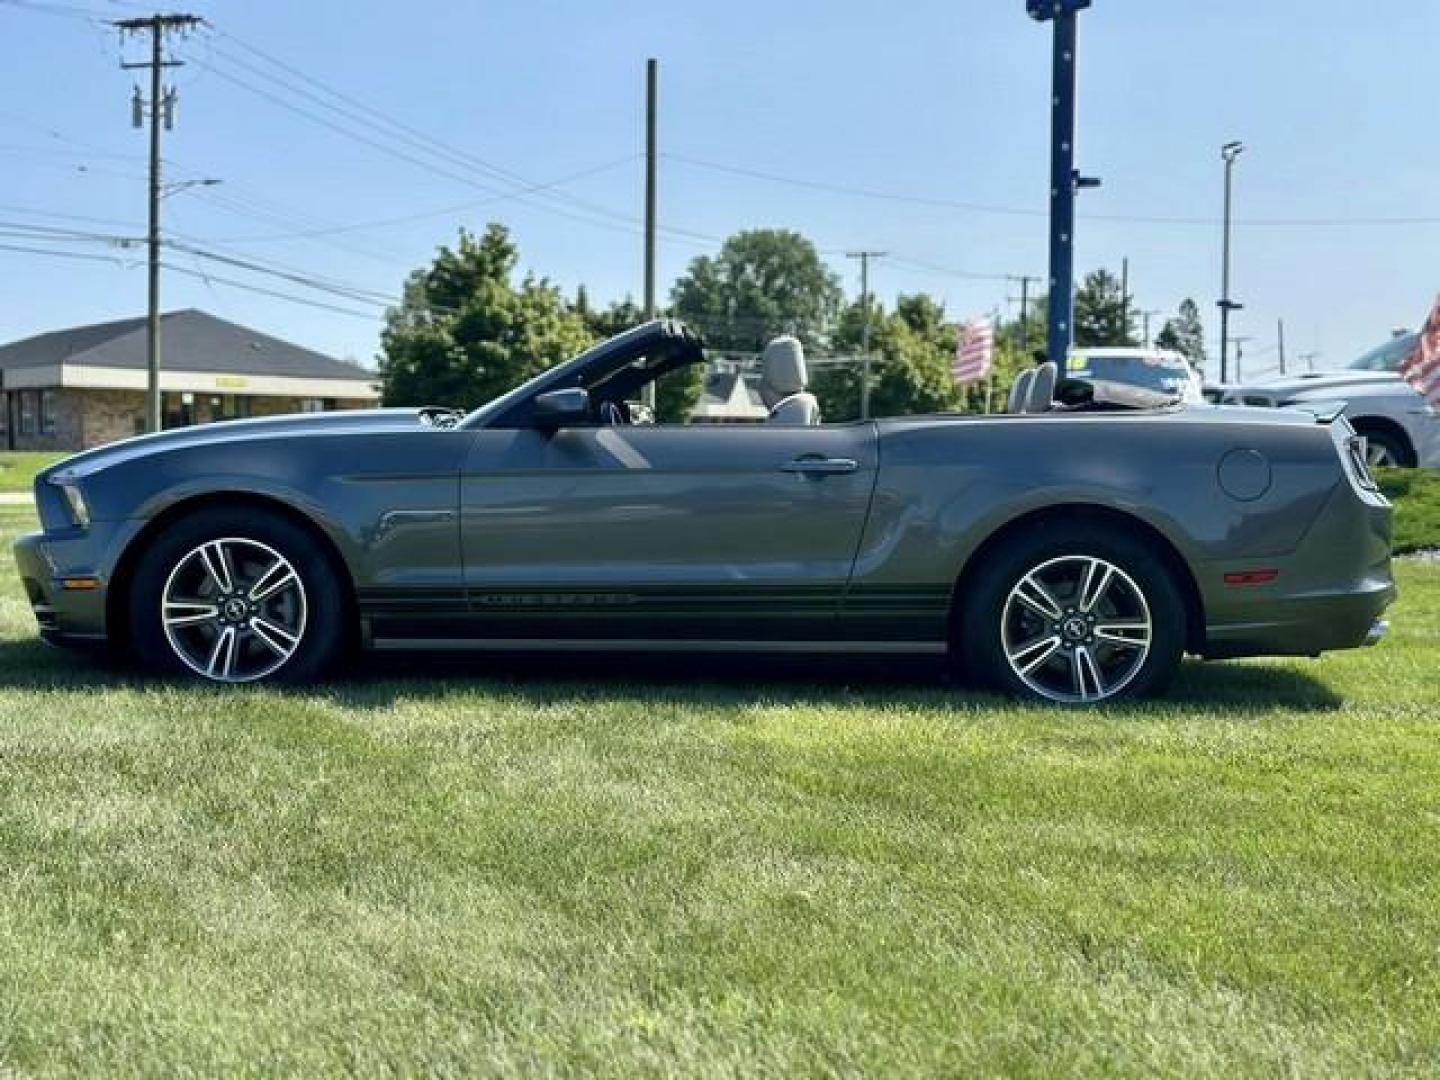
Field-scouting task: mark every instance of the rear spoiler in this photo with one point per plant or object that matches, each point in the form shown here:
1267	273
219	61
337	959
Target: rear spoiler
1325	412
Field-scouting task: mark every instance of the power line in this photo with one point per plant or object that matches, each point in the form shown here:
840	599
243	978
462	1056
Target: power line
209	278
68	11
1021	211
904	261
386	130
350	292
59	216
358	111
447	211
112	259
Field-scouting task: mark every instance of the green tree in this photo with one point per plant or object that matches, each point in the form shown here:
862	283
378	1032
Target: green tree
912	349
764	282
465	333
1185	334
1104	315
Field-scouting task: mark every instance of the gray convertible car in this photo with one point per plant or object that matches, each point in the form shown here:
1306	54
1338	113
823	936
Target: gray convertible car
1068	552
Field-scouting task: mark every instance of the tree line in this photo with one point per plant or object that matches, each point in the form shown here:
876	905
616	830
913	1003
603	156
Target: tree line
468	329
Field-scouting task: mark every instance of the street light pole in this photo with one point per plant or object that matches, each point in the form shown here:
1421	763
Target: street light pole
1063	178
1229	152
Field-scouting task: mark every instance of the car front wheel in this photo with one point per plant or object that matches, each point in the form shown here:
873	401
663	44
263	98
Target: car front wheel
1075	617
237	597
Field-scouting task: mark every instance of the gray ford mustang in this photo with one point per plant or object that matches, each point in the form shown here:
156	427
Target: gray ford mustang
1067	552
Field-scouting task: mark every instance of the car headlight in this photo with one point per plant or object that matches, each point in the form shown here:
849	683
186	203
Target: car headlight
74	499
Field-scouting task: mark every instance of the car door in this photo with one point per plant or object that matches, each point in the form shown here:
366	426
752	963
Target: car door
732	533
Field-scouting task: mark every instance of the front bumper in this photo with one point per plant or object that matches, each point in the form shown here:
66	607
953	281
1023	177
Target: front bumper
47	560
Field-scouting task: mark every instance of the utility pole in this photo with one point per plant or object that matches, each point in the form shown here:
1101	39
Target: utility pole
1024	280
865	257
1239	355
652	94
1229	152
161	107
1280	340
1064	180
1145	320
1125	295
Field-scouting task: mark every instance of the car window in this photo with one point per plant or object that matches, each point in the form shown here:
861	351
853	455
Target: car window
1389	356
1150	373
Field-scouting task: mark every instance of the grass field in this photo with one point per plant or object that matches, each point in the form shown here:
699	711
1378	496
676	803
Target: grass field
1416	495
716	871
17	469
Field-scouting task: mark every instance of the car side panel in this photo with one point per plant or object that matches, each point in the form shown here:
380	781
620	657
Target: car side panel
947	485
646	532
388	500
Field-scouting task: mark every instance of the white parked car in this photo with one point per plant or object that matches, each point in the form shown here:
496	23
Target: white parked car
1399	427
1135	378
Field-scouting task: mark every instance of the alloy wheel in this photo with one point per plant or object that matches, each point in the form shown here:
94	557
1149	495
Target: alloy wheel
1379	455
234	610
1076	629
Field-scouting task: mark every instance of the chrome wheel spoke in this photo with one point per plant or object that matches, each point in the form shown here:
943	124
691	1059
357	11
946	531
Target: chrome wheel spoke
189	612
1095	584
1034	653
1131	633
1033	594
276	638
217	565
276	577
222	655
1089	683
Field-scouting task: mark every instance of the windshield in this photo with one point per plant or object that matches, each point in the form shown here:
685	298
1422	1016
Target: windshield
1163	374
1389	356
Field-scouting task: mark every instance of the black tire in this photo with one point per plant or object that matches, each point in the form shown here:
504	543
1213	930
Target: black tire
996	623
1397	453
324	624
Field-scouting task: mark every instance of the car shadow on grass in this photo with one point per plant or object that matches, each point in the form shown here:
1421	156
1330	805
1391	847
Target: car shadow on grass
379	680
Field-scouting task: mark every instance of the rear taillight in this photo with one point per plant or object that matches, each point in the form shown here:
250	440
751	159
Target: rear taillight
1355	455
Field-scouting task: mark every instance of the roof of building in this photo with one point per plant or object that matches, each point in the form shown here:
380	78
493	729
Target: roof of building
191	340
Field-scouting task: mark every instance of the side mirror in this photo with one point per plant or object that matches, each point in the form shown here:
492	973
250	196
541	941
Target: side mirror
562	408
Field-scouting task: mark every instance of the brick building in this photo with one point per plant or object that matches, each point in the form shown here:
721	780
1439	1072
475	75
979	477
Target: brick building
74	389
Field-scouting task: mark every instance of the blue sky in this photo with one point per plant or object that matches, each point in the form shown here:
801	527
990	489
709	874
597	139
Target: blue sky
941	102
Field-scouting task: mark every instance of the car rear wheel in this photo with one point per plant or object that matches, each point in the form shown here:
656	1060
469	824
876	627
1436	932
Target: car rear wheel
1384	449
237	597
1077	617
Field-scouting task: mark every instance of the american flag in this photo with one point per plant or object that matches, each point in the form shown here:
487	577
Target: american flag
975	352
1422	369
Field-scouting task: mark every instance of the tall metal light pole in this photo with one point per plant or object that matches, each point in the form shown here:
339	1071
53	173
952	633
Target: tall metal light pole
652	103
1063	178
1229	152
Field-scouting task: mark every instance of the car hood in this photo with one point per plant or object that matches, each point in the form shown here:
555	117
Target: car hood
1324	380
350	421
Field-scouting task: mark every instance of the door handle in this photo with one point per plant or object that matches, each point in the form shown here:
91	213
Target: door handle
815	465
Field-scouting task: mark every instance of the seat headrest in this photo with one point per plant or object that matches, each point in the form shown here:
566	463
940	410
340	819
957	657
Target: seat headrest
783	370
1020	391
1042	388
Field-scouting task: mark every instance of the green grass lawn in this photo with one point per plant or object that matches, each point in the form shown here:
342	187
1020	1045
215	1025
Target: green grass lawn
814	869
18	469
1416	495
